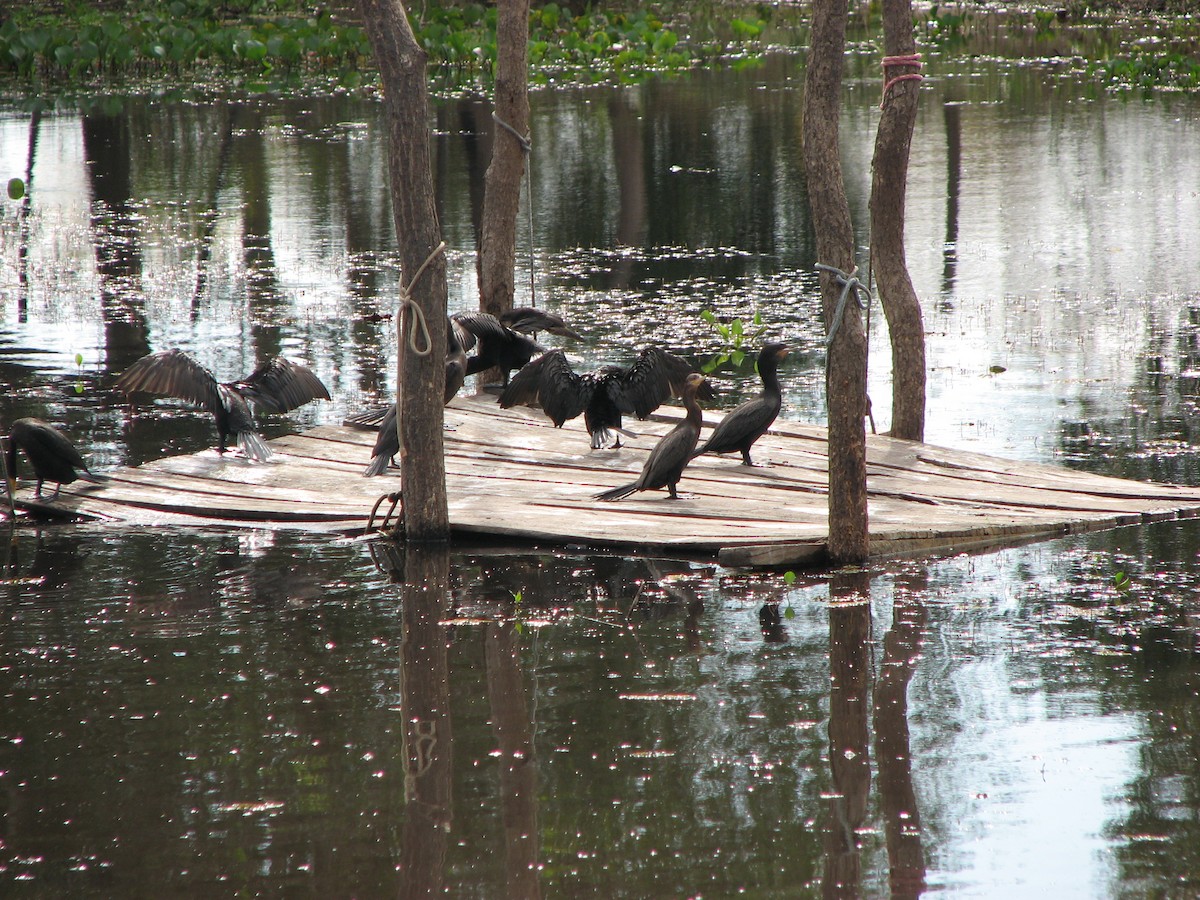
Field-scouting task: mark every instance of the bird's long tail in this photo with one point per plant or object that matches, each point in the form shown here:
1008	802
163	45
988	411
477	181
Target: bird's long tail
618	492
378	465
253	446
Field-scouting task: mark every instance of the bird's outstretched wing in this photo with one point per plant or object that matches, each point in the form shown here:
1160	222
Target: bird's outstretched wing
172	373
281	385
655	377
549	381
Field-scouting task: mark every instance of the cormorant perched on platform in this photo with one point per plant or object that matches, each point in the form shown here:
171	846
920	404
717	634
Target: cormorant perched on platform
387	443
279	385
603	395
664	467
50	453
495	344
531	319
750	420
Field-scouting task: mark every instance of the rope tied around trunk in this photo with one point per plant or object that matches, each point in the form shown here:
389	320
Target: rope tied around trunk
849	283
406	300
911	59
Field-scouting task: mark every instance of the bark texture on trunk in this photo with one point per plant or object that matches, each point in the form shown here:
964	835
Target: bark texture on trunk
846	367
893	141
402	67
502	191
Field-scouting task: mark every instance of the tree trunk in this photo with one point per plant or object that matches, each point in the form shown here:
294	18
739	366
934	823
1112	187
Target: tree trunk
846	366
421	378
900	304
502	184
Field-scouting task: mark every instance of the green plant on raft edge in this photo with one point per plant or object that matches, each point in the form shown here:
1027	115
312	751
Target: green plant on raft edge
789	578
737	335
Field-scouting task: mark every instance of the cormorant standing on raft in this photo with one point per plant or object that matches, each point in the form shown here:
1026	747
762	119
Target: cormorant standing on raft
51	455
387	442
279	385
603	395
750	420
664	467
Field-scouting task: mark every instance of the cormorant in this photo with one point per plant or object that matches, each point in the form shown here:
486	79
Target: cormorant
603	395
750	420
495	344
50	453
279	385
670	455
531	319
387	442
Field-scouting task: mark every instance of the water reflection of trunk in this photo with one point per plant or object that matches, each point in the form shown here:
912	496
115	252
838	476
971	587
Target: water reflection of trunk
107	155
629	156
518	767
951	113
902	819
425	710
211	215
35	121
475	123
264	301
849	763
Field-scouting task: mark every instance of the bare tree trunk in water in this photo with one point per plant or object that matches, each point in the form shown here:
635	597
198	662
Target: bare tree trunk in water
509	706
401	64
892	144
846	365
502	190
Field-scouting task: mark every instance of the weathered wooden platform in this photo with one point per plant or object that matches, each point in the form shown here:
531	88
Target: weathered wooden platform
512	475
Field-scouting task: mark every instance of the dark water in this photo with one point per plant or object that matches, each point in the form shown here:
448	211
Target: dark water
276	713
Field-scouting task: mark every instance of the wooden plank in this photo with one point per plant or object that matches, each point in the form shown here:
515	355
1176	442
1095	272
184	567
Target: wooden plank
511	474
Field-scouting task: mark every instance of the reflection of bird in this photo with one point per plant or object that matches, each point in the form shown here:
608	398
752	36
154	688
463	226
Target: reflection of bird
531	320
50	453
603	395
670	455
495	344
750	420
277	386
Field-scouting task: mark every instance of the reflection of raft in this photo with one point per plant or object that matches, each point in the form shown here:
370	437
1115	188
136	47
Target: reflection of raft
512	475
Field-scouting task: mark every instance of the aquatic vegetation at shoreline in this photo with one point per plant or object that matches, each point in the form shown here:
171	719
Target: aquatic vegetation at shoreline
197	39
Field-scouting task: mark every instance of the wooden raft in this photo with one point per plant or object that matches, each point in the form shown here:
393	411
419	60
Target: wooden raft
512	475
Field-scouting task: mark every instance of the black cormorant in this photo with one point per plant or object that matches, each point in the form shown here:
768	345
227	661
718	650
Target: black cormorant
603	395
50	453
670	455
279	385
387	443
531	319
495	344
750	420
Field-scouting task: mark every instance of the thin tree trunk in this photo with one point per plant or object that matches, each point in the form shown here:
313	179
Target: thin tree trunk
502	190
421	378
892	144
846	367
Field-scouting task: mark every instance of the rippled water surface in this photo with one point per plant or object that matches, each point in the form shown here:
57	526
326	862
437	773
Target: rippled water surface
282	713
